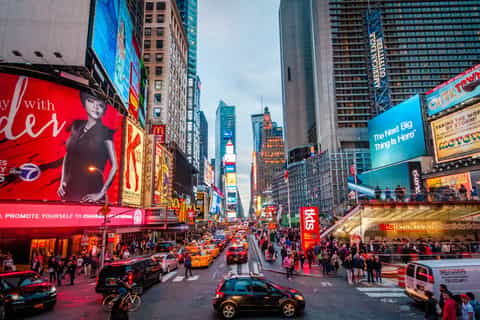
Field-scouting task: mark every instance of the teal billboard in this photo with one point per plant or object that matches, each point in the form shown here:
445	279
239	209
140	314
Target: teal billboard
397	134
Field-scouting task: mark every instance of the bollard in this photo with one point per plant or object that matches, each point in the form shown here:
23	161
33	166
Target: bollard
401	277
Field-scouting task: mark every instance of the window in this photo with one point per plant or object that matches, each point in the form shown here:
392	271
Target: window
148	32
242	285
158	71
422	273
149	6
156	112
410	270
229	285
147	70
161	5
157	98
160	18
259	287
159	44
158	84
160	31
148	18
159	57
147	44
146	57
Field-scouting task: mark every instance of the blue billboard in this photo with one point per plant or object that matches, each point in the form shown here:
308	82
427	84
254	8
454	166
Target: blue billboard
227	135
116	49
463	87
229	168
397	134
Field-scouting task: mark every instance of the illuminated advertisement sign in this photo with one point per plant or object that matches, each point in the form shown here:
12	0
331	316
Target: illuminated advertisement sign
158	130
59	215
397	134
309	227
57	143
448	94
377	54
132	165
231	197
227	135
230	179
115	47
215	201
454	181
162	192
231	215
230	168
229	159
457	135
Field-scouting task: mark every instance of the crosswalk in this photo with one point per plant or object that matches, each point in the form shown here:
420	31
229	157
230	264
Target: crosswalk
385	294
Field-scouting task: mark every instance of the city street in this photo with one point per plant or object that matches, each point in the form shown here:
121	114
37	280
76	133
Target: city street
178	298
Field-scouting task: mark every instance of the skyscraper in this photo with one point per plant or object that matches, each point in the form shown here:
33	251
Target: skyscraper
189	13
203	144
257	126
225	130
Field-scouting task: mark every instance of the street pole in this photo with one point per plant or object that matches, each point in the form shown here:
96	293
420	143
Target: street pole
104	235
288	202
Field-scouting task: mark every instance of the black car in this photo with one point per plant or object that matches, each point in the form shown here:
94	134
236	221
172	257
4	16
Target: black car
237	254
165	246
141	271
250	293
24	291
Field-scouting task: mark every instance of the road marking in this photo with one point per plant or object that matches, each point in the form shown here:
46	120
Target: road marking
380	289
233	269
193	278
178	279
255	268
326	284
169	276
385	294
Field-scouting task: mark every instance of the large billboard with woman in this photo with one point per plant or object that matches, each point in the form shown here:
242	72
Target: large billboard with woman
57	143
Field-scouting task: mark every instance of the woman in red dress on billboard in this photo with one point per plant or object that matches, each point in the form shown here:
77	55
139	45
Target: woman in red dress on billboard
89	147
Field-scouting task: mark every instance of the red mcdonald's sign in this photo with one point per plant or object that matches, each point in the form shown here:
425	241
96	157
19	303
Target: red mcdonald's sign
158	130
309	227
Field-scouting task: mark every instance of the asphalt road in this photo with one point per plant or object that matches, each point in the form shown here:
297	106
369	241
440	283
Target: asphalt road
179	298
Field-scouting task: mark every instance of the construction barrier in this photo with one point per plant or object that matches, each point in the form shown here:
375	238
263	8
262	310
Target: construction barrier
401	277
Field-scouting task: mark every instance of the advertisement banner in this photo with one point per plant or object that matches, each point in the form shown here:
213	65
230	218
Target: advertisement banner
309	227
162	194
448	94
230	179
57	143
132	165
457	135
115	46
59	215
454	181
158	130
397	134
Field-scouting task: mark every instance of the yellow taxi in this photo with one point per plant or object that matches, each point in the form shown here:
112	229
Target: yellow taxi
212	250
201	259
192	248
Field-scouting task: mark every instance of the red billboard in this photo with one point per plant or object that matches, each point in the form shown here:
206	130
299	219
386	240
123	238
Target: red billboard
158	130
13	215
57	143
309	227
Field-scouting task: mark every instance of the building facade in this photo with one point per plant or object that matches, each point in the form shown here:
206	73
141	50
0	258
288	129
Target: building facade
225	130
165	57
203	145
257	127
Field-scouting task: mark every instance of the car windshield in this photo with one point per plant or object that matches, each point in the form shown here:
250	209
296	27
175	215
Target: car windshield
23	280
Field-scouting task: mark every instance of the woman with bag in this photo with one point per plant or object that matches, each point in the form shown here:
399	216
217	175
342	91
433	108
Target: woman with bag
432	309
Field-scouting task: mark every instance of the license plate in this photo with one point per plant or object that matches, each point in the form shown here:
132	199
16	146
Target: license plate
38	306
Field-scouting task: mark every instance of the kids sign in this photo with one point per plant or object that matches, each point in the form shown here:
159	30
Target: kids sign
309	227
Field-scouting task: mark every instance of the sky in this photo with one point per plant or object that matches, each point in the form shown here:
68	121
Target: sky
239	63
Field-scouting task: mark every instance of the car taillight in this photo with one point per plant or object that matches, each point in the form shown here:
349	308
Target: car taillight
430	279
97	279
130	278
219	294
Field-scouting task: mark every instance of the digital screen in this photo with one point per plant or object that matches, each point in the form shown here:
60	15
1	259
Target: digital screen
115	47
397	134
132	165
163	167
227	135
57	143
230	168
230	179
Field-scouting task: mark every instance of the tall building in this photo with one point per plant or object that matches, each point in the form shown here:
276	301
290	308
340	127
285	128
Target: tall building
257	126
225	130
189	13
203	145
165	56
297	74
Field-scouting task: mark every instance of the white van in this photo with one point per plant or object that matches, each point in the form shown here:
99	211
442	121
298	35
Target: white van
459	275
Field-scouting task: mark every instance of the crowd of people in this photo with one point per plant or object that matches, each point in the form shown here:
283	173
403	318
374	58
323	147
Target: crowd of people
443	193
451	307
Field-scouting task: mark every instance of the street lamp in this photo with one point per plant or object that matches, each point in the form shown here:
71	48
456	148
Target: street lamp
104	211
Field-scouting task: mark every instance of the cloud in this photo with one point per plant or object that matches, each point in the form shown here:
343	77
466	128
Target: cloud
239	62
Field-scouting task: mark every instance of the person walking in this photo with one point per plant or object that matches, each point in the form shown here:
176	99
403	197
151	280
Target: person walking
188	265
59	269
288	265
348	265
449	311
358	265
467	310
377	266
52	269
431	307
301	256
8	264
441	302
71	269
310	257
370	267
475	304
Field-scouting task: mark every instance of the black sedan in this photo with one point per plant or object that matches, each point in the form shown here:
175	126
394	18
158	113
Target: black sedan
26	290
250	293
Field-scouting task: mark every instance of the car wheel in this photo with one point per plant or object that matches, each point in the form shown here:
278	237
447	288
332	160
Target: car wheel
288	309
229	311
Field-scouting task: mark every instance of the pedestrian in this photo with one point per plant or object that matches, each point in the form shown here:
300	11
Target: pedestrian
71	269
188	265
283	252
310	257
431	307
475	304
348	265
287	264
302	259
59	271
8	264
358	265
462	192
378	269
334	261
449	311
35	264
370	267
443	288
52	269
467	309
378	193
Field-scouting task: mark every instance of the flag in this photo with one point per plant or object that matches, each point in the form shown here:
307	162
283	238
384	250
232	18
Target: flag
286	175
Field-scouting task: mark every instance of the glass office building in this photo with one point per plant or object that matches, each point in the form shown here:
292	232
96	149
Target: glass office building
225	130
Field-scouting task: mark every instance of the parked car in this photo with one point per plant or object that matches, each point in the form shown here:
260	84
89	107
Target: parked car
241	293
237	254
142	272
25	291
165	246
168	261
461	275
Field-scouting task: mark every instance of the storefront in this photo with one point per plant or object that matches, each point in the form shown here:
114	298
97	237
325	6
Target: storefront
64	230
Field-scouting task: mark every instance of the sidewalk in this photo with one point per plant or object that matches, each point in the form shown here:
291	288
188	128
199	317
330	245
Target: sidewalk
276	266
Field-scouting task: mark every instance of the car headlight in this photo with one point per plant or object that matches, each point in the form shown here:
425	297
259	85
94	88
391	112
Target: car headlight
298	297
16	297
53	289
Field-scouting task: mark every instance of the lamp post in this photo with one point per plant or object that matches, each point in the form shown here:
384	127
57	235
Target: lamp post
104	210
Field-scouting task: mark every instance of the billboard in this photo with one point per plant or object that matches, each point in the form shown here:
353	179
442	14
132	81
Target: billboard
453	181
309	227
158	130
215	201
132	165
231	198
454	91
27	215
457	135
116	49
230	168
163	175
57	143
229	159
227	135
397	134
30	26
230	179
